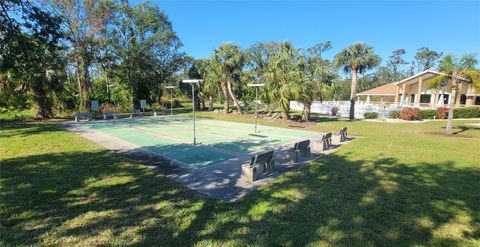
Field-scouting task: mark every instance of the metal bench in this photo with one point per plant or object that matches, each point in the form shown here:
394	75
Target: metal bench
137	113
343	134
158	112
86	115
107	114
265	160
299	148
327	140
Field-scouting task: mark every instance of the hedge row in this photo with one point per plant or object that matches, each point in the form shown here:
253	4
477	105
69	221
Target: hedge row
370	115
408	113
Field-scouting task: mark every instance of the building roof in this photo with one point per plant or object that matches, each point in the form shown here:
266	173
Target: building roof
384	90
427	74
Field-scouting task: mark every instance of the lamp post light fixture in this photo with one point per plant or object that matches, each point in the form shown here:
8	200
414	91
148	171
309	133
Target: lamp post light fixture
171	99
192	82
256	86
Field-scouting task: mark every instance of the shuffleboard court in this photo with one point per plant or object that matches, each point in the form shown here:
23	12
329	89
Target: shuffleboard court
173	136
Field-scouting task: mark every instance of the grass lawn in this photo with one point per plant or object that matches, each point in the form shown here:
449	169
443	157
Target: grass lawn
398	184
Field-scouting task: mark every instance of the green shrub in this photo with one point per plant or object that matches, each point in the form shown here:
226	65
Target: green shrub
394	114
428	114
467	112
408	113
370	115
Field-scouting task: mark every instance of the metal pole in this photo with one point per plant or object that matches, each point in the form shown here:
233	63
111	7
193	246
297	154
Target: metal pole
193	99
171	102
256	106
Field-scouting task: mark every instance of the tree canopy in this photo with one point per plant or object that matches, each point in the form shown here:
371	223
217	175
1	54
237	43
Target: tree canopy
56	56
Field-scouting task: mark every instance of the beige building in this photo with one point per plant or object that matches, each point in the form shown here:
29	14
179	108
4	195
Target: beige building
415	91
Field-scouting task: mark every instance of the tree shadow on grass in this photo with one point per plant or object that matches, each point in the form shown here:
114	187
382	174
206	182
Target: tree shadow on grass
7	130
98	198
336	201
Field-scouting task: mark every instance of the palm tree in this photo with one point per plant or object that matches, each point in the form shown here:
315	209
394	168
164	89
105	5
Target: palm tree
283	76
356	58
258	60
318	75
232	60
455	71
205	69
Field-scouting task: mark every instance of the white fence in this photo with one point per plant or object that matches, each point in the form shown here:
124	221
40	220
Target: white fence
325	107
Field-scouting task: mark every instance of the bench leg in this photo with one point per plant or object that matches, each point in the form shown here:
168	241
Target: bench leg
271	166
77	119
293	155
249	172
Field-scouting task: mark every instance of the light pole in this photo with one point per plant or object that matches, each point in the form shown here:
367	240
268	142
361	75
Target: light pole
256	86
171	99
192	82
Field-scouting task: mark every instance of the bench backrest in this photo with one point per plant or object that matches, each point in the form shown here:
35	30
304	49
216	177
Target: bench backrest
302	145
343	133
262	158
135	112
83	114
327	136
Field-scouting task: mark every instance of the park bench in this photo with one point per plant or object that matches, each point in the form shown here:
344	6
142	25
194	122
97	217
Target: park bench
158	112
265	160
342	134
326	141
134	113
299	148
107	114
86	115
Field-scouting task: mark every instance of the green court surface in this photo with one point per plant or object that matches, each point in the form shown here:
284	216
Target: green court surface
173	137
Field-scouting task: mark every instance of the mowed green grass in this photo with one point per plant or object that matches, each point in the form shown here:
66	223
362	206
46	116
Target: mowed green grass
396	185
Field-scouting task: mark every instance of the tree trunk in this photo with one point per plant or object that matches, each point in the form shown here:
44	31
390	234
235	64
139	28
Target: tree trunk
353	93
226	106
448	129
234	98
284	104
82	102
272	108
306	112
210	103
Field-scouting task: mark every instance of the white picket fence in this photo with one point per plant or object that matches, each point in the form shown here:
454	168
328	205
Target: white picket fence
325	107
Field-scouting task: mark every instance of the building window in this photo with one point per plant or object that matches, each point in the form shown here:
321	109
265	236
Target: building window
463	99
477	100
412	98
445	98
425	98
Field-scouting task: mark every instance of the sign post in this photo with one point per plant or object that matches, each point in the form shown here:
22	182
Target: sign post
143	104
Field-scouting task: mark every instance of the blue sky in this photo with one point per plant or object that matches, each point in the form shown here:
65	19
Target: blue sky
446	26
